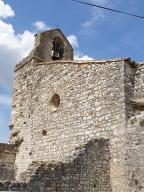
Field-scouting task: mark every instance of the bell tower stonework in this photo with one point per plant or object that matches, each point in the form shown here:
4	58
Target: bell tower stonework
52	45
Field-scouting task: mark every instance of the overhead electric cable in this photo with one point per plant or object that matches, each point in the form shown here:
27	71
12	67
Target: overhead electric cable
109	9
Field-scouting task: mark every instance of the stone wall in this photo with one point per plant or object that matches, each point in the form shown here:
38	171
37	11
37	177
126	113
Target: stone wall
21	122
134	91
89	171
139	83
7	161
62	105
92	106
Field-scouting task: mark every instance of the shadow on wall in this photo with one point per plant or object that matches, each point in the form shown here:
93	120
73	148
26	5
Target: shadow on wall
88	172
7	160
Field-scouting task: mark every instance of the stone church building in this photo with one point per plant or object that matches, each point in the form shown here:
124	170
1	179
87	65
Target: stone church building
76	126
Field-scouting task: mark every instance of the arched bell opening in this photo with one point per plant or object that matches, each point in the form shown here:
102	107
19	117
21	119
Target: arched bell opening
57	49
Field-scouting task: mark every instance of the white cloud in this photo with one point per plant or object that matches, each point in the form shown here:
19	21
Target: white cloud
73	41
13	48
41	26
81	56
75	44
26	40
5	100
5	10
97	14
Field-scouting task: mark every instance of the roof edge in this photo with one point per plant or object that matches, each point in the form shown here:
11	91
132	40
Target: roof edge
40	61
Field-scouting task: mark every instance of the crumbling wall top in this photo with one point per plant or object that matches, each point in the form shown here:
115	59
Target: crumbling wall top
7	147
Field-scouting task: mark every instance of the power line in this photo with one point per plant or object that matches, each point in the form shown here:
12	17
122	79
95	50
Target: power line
109	9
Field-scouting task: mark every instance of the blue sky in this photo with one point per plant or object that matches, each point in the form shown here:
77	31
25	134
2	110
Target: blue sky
94	34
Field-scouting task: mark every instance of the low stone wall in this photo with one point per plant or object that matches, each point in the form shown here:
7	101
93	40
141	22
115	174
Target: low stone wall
7	160
88	172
